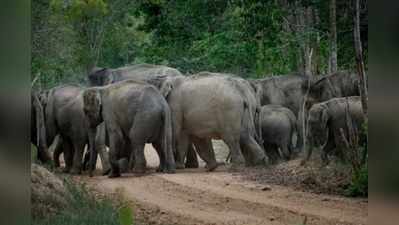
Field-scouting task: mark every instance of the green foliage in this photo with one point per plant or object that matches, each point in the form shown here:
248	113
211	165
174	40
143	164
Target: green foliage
251	38
125	216
84	209
359	185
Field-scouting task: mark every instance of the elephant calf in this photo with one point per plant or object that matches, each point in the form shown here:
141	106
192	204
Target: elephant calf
278	126
325	121
135	113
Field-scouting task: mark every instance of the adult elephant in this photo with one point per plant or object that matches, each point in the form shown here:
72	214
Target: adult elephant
38	128
325	122
336	85
288	91
153	74
65	117
135	113
209	106
278	127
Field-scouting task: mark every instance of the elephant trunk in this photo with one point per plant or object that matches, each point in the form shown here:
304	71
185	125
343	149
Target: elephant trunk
168	140
92	150
43	153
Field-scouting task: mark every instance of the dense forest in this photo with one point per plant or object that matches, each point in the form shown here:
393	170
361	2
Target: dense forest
251	38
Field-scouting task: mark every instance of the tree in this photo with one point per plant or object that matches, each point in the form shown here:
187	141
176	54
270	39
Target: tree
333	64
359	57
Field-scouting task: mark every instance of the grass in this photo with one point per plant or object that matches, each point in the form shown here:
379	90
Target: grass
84	209
359	185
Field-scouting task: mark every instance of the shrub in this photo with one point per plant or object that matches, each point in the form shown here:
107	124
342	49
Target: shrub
359	185
85	209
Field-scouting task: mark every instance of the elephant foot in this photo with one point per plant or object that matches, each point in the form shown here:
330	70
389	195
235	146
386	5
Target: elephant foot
191	164
66	170
304	162
76	171
180	166
114	175
123	165
139	170
211	167
106	171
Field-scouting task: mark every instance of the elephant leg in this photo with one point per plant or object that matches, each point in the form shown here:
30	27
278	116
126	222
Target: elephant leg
58	150
272	153
79	147
86	160
162	161
237	159
206	152
191	159
255	152
68	155
140	162
328	148
116	143
285	152
182	146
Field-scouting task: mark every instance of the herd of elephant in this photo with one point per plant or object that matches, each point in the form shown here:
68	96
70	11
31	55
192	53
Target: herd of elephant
125	108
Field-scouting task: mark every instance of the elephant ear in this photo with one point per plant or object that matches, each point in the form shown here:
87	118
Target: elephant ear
166	88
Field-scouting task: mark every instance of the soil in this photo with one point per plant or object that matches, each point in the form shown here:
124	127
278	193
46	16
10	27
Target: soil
251	196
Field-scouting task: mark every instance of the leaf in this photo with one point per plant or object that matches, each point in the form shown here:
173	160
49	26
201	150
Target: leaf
125	216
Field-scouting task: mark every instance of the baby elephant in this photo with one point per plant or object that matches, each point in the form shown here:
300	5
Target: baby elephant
325	122
135	113
278	126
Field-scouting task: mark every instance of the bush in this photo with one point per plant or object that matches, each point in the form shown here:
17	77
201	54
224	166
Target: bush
359	185
84	209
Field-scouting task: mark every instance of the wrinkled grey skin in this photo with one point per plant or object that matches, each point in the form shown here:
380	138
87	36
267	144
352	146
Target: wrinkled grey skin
38	128
278	127
288	91
336	85
153	74
324	123
209	106
135	113
65	117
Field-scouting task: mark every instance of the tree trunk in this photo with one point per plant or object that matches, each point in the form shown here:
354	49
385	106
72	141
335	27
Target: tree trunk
333	64
359	58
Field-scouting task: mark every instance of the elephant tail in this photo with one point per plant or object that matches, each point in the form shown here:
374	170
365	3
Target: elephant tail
250	120
167	139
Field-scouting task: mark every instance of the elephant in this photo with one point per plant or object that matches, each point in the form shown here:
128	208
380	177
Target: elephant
135	113
278	127
65	117
335	85
152	74
288	91
209	106
38	128
326	119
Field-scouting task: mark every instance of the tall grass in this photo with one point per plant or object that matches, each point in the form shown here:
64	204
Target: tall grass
84	209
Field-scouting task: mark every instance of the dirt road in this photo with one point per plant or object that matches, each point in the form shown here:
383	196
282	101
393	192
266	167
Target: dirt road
193	196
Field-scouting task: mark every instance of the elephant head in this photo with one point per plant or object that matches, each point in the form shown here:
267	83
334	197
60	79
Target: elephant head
317	125
100	76
92	107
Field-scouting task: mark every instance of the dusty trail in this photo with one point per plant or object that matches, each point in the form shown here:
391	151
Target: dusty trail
198	197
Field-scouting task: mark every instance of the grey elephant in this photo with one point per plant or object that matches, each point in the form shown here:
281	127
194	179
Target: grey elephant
278	127
325	121
153	74
288	91
135	113
336	85
38	128
209	106
65	117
